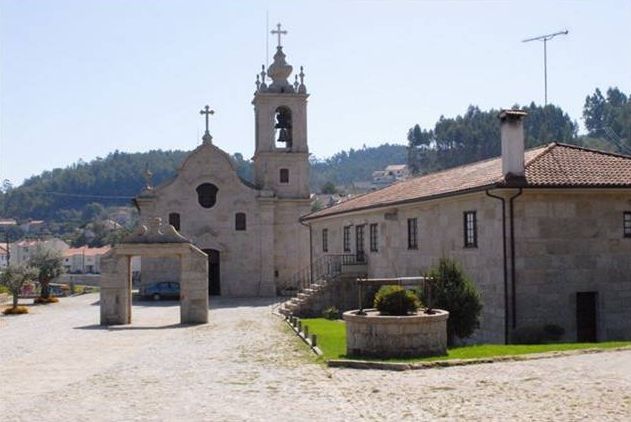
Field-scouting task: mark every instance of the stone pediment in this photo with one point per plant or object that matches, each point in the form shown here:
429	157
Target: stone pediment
155	232
207	161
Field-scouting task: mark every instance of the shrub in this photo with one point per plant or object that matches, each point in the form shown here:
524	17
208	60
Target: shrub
4	289
454	292
537	334
553	332
331	313
18	310
45	300
395	300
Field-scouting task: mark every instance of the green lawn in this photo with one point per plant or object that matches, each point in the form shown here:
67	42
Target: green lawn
332	342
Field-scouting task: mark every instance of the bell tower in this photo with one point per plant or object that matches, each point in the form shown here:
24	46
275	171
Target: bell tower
281	158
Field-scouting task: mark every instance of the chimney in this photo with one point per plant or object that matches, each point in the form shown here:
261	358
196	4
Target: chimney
512	133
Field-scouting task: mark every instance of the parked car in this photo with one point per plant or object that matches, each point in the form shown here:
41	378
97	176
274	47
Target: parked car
161	289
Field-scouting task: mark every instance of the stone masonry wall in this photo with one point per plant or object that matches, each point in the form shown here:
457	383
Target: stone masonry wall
569	242
440	234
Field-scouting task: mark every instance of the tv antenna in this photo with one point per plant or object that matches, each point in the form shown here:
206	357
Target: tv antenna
545	39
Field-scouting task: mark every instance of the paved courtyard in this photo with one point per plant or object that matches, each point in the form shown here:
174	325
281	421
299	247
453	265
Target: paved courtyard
56	364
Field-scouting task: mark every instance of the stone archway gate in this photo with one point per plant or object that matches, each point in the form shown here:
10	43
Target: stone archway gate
154	241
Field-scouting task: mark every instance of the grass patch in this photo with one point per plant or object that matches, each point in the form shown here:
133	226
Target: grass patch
331	336
3	289
332	342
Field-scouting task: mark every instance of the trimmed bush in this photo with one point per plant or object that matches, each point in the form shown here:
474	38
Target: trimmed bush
45	300
18	310
331	313
538	334
454	292
395	300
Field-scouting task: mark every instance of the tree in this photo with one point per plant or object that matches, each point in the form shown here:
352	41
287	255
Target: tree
15	277
329	188
93	211
49	264
453	291
609	118
475	135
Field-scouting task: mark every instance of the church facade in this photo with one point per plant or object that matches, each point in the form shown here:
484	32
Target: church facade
250	231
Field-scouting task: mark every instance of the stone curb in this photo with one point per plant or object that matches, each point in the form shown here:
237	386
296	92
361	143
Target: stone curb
304	338
395	366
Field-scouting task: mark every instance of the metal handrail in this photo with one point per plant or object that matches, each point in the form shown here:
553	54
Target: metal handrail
325	267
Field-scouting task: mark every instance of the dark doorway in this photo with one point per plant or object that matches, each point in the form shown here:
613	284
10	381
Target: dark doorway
214	282
586	321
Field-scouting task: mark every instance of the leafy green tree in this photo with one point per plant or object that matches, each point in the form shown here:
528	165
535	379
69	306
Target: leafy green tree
475	136
329	188
93	211
609	118
15	277
49	264
453	291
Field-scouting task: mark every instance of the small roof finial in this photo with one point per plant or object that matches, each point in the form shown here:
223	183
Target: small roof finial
278	32
263	76
207	138
148	178
302	87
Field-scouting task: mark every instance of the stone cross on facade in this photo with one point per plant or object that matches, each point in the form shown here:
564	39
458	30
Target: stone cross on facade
279	32
207	112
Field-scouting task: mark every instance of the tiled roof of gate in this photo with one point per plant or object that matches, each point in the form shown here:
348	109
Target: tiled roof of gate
554	165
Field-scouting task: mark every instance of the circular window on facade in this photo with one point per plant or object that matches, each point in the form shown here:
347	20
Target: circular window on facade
207	195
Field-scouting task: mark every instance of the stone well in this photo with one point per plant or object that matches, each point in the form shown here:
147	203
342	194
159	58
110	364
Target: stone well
385	336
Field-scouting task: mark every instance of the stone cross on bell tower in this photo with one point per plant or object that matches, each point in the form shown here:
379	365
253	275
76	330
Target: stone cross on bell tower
207	138
279	32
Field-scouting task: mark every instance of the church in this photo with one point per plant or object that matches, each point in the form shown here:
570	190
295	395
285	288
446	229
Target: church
250	231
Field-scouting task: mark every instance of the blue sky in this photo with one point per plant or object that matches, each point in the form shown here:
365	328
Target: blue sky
82	78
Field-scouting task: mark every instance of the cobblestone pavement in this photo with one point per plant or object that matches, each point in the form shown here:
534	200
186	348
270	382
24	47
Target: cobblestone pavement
57	364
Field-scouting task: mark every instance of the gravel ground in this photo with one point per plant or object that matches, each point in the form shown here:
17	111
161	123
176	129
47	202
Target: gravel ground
57	364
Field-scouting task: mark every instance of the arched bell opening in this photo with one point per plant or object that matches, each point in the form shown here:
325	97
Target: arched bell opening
283	128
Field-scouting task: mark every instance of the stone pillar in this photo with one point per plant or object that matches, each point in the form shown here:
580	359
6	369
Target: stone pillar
194	287
115	290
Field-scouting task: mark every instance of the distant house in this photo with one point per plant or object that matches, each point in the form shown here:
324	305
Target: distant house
84	259
7	222
32	226
392	173
3	257
21	251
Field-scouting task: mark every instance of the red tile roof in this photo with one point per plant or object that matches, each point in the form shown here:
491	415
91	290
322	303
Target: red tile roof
554	165
86	251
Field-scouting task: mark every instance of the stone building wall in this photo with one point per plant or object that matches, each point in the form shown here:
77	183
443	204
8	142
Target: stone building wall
569	242
565	242
440	234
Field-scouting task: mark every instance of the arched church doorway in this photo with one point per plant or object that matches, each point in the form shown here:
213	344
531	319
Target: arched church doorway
214	272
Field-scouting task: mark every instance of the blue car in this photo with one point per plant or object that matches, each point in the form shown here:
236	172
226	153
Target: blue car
161	289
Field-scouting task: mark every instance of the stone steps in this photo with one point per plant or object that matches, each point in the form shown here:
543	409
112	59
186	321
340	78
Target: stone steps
294	305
